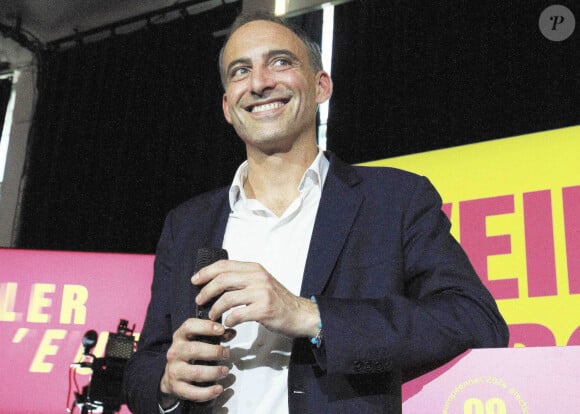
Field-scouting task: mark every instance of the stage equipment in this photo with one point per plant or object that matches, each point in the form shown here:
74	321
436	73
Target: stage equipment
104	393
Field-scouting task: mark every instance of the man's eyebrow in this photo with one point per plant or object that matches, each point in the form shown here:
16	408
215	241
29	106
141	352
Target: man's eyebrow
283	52
241	61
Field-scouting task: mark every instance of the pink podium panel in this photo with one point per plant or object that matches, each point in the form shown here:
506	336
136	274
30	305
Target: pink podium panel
541	380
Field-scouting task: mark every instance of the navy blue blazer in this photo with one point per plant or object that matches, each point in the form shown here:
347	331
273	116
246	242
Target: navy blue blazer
397	294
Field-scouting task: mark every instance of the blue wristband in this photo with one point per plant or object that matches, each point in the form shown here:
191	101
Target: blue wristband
317	340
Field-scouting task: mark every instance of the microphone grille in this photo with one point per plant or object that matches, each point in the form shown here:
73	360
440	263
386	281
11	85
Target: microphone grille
209	255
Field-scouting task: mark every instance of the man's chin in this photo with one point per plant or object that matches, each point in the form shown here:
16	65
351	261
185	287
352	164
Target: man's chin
269	144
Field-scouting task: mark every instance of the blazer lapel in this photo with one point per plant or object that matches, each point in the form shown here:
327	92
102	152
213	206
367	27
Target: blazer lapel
208	228
341	199
208	231
216	228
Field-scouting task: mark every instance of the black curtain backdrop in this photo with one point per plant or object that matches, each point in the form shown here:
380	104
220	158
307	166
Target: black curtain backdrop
5	89
415	75
125	130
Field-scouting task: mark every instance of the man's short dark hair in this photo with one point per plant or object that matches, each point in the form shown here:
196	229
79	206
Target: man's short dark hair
312	48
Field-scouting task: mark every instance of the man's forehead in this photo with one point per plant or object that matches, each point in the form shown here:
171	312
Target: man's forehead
260	36
257	26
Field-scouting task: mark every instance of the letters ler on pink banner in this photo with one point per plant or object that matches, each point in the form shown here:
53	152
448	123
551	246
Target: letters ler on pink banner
493	381
48	301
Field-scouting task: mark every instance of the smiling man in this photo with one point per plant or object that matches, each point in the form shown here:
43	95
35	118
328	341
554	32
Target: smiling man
272	91
340	280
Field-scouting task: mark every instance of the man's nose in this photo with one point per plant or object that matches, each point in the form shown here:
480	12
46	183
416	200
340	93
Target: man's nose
262	79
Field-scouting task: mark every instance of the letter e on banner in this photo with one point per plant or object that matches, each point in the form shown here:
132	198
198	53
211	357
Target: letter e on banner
45	349
479	246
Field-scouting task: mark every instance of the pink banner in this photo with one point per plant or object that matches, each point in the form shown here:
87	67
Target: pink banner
48	301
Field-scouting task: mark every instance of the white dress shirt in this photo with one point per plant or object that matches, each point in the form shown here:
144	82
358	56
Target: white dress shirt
259	358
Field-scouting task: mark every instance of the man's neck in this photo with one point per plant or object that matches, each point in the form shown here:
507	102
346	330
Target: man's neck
273	179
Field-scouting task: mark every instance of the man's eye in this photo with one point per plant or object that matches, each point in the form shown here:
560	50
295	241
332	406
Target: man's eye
281	62
238	72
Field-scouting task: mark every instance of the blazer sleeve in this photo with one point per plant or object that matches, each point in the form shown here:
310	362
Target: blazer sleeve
145	368
441	309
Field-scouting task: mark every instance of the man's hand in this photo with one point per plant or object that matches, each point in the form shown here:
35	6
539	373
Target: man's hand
255	295
181	373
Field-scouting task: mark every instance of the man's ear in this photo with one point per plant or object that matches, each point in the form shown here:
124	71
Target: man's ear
226	109
324	87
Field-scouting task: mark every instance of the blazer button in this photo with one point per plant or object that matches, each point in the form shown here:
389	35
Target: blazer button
368	367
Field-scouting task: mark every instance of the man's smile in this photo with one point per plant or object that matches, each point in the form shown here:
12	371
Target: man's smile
267	106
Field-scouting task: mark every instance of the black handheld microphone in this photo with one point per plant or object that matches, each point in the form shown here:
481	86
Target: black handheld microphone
205	257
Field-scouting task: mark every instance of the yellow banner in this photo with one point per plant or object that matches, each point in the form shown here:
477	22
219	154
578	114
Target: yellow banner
515	207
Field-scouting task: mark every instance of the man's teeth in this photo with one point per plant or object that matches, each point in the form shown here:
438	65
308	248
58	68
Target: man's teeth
267	107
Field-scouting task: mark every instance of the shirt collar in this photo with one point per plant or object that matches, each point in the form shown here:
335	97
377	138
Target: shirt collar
315	175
